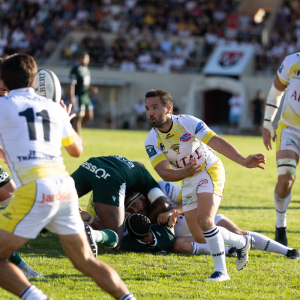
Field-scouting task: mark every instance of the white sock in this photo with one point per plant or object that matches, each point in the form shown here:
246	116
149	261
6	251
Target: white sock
281	205
203	248
98	236
215	245
264	243
5	202
230	238
128	297
33	293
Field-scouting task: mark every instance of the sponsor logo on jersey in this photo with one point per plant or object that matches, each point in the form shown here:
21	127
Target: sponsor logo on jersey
196	155
296	72
203	181
290	143
187	200
230	58
295	96
167	187
58	196
175	148
100	173
162	146
169	136
150	150
35	155
114	198
200	127
280	68
126	161
185	137
7	215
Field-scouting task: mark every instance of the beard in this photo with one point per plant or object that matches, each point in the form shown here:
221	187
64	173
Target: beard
158	122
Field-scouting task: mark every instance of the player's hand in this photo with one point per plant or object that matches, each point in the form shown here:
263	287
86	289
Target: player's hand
267	134
67	109
192	168
85	216
164	217
173	218
254	161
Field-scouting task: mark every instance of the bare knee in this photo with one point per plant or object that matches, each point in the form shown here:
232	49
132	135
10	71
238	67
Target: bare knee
286	181
205	223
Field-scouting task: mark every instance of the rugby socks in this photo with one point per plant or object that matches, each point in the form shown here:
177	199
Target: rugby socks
33	293
203	248
281	205
233	239
106	237
262	242
216	247
17	260
128	297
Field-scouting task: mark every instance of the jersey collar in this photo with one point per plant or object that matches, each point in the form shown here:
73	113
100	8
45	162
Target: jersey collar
27	90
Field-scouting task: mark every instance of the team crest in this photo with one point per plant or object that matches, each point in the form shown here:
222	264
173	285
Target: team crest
175	148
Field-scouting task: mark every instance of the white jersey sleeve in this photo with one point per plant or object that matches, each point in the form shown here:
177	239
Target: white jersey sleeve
153	150
197	128
284	69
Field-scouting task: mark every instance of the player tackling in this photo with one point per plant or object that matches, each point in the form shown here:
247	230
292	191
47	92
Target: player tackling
32	130
288	136
186	143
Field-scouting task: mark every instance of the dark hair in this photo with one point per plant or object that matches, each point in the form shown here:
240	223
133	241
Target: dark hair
18	71
138	225
165	97
83	54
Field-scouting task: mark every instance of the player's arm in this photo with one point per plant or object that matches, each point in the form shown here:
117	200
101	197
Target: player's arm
75	149
228	150
164	170
273	102
160	205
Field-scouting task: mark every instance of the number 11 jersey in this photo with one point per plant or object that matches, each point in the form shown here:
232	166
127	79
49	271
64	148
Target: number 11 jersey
32	131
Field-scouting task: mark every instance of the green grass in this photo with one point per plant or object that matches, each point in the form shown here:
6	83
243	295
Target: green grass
248	201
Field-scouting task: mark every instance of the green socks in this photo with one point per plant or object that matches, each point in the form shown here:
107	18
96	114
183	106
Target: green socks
106	237
17	260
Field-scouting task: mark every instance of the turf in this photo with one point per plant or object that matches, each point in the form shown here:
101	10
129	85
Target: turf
248	201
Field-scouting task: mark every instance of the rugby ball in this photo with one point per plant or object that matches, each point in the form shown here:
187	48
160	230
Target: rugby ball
47	84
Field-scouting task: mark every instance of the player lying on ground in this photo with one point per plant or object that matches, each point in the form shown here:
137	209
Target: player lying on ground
110	178
32	130
187	244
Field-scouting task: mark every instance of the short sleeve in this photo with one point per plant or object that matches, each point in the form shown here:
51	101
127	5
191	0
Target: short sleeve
197	128
154	153
283	71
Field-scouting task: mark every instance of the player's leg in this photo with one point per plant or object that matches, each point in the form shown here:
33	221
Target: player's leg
7	188
261	242
78	250
111	217
287	158
89	114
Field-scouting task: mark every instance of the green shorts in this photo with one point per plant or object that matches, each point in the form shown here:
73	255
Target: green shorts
4	177
82	104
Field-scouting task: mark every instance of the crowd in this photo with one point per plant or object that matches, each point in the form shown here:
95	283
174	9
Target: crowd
146	32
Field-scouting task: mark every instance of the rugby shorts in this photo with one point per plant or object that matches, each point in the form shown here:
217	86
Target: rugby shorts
211	181
4	177
82	104
49	202
288	138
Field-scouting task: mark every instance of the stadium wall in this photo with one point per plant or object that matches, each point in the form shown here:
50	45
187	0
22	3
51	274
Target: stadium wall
129	88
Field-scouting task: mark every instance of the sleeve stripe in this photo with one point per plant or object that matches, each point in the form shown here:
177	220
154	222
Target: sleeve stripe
158	159
207	137
69	140
272	105
281	80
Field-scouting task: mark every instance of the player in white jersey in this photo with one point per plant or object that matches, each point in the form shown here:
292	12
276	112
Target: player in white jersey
32	130
185	142
288	136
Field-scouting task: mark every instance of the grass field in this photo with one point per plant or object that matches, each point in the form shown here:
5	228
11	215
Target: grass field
248	201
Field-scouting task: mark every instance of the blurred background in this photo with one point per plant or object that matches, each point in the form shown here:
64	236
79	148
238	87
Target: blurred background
214	57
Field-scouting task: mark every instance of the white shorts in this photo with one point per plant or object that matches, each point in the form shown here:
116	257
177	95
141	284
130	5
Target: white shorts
288	138
182	229
50	202
211	181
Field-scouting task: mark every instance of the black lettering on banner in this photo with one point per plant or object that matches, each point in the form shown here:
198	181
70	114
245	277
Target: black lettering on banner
29	115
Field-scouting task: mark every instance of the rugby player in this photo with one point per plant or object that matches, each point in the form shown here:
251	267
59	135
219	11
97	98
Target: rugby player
185	242
32	130
288	136
109	178
186	143
7	188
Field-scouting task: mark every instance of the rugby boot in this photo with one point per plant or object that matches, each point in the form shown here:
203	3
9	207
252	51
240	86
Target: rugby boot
243	254
217	276
280	236
293	254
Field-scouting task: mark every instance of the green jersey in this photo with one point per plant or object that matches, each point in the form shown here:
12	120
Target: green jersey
81	77
109	177
163	235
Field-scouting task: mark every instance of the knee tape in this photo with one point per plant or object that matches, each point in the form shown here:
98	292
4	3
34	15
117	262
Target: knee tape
286	166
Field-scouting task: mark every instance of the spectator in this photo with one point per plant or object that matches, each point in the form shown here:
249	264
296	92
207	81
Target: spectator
140	112
235	111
